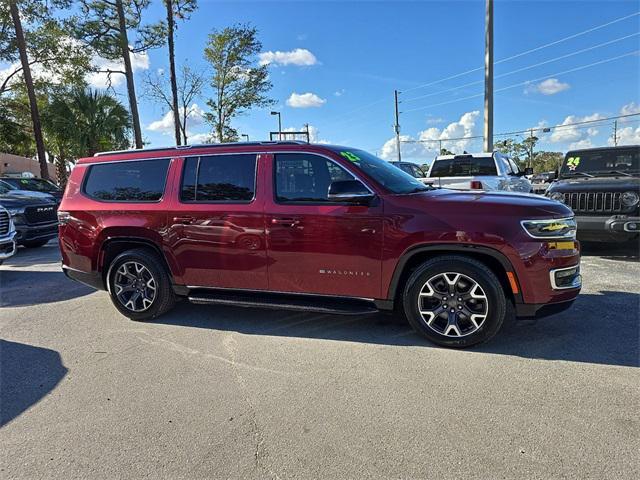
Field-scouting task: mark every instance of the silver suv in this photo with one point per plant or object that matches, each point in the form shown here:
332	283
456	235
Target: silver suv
478	171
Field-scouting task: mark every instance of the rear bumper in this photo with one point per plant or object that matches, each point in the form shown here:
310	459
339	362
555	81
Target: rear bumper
608	228
92	279
27	233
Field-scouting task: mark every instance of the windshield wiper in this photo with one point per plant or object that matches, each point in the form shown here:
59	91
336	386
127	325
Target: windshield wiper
571	174
420	189
619	172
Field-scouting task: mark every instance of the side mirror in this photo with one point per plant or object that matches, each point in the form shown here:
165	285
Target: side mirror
350	191
553	176
528	171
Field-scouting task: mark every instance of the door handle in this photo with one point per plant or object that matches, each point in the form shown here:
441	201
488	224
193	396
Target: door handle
288	222
184	220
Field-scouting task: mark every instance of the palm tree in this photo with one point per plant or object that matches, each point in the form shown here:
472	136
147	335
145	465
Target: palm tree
81	123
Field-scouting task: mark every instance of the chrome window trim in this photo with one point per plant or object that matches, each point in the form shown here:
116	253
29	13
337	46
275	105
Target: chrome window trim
552	277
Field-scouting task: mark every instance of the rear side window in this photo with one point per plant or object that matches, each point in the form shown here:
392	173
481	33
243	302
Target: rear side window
219	178
135	181
464	167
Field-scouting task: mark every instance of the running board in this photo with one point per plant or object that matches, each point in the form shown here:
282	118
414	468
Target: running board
282	301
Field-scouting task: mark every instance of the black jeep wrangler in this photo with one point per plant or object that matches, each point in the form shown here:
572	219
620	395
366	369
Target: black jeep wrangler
602	187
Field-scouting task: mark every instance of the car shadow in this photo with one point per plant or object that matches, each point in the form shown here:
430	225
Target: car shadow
599	329
23	288
27	374
627	251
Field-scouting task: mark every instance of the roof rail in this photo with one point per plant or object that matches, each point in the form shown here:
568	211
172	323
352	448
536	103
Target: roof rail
204	145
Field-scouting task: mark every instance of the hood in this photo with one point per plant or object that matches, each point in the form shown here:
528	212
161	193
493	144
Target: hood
30	193
19	201
490	204
620	183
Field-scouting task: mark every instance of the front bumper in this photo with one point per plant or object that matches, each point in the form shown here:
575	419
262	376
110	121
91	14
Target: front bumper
7	246
608	228
27	233
540	310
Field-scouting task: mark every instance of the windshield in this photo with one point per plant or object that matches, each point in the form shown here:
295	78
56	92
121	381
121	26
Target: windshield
383	172
602	161
33	184
465	167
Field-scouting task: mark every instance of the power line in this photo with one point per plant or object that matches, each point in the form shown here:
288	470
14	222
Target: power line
526	52
529	130
529	67
526	82
342	116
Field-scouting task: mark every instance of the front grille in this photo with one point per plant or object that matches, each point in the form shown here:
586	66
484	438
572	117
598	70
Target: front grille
40	214
594	202
4	222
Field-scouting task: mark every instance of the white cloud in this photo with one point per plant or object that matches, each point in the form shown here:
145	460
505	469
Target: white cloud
426	150
580	144
626	136
139	61
299	56
550	86
575	133
339	93
195	117
305	100
314	133
200	138
434	120
630	109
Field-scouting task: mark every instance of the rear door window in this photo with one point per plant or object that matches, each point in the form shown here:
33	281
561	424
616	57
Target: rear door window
219	178
127	181
464	167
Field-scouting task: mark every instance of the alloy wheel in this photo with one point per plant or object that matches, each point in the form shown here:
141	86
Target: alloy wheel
453	304
135	287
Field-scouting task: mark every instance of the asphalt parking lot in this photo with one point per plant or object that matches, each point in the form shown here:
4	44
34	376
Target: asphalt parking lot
212	392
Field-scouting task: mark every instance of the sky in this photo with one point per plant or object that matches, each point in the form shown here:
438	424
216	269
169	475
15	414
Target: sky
335	65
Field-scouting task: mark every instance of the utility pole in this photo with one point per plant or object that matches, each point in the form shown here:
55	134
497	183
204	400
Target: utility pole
306	129
615	133
488	78
396	127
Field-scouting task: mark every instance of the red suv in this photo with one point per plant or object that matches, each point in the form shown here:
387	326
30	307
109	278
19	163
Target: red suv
320	228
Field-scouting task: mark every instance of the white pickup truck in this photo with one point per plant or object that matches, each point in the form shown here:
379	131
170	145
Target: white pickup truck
478	171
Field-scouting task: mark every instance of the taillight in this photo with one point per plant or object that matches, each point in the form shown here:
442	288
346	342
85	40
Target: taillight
476	185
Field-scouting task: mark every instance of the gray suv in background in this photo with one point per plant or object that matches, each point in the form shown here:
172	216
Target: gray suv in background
478	171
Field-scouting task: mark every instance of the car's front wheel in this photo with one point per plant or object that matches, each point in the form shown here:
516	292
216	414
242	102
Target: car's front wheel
455	301
139	285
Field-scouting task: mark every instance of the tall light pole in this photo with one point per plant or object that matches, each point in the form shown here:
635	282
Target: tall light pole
279	124
244	135
488	78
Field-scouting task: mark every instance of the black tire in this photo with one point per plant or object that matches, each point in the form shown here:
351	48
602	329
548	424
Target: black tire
164	297
495	307
35	243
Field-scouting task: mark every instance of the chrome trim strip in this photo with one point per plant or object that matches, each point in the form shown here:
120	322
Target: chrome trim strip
191	287
625	227
552	277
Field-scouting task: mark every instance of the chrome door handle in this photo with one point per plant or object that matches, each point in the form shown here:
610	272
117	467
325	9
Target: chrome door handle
184	220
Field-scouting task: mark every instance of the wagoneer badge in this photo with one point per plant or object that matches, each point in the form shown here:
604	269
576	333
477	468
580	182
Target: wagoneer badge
345	272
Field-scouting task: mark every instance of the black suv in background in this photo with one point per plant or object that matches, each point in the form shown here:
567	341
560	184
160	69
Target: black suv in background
35	185
602	187
34	218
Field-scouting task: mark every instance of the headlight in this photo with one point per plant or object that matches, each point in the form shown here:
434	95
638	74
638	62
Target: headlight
15	211
558	196
551	228
629	199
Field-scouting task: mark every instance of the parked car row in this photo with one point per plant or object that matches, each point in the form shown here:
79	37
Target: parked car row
601	185
28	209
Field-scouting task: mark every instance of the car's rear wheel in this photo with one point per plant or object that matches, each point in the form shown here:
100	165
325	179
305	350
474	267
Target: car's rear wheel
139	285
455	301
